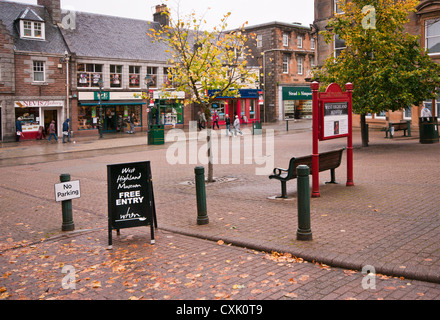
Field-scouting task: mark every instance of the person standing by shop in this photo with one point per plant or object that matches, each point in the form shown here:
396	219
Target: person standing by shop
66	131
18	130
52	130
131	124
228	124
426	113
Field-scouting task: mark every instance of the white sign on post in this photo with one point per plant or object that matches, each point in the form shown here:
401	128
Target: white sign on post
67	191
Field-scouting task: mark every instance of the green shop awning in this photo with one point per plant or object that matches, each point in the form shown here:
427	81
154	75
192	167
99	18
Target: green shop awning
297	93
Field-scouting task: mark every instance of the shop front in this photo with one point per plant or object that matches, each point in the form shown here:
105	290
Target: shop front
246	106
115	111
297	103
37	115
168	109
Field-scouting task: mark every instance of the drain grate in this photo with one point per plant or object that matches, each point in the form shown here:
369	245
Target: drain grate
217	181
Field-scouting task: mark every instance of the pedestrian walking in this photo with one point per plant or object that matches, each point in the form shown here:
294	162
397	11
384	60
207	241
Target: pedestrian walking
202	121
66	131
228	124
18	130
52	130
215	119
237	126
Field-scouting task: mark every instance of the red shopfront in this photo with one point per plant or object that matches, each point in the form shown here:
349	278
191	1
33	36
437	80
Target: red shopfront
246	106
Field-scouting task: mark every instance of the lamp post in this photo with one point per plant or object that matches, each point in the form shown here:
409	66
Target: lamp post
147	82
100	108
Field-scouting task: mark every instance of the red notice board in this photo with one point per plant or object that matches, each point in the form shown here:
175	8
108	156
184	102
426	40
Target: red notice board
332	119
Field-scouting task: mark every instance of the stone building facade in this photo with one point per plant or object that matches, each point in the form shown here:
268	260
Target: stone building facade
285	53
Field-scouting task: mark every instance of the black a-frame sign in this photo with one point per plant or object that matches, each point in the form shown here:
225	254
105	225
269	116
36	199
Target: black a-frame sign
130	198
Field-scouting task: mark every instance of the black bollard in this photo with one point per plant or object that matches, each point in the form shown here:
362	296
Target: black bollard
304	232
202	211
68	224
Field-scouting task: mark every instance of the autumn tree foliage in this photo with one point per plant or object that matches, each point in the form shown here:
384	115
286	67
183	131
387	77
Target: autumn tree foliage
388	67
206	60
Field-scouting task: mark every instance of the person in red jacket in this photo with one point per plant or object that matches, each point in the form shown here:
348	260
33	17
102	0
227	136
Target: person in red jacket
215	119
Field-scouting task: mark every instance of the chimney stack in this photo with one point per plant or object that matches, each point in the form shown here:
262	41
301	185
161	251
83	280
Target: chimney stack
54	8
162	15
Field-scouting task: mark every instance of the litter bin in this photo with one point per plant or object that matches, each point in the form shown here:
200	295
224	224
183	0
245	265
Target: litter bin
257	128
156	134
428	130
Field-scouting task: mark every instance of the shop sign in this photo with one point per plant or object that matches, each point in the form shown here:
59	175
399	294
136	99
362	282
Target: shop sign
297	93
243	93
105	95
38	104
177	95
130	197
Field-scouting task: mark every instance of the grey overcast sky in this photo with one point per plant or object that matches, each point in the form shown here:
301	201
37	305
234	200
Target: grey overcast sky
253	11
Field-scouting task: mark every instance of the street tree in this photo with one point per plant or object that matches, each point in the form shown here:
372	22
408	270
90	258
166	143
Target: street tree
388	67
206	63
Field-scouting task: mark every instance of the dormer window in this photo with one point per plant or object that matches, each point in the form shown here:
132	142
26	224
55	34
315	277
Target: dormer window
31	25
32	29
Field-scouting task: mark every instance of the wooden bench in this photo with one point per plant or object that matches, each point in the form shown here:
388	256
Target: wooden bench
398	126
327	161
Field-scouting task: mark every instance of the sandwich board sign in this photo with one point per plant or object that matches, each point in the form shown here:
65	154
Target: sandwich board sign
130	198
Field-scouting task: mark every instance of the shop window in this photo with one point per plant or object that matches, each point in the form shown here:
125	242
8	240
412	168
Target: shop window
220	107
432	36
115	76
38	70
89	75
87	118
252	109
135	76
172	114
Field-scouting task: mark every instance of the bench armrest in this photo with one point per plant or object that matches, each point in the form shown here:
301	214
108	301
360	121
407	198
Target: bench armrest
279	171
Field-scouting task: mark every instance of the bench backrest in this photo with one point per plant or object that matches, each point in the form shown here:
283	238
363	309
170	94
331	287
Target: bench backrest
327	160
399	125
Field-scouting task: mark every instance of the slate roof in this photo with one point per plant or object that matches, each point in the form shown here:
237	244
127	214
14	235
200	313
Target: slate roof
104	36
10	12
